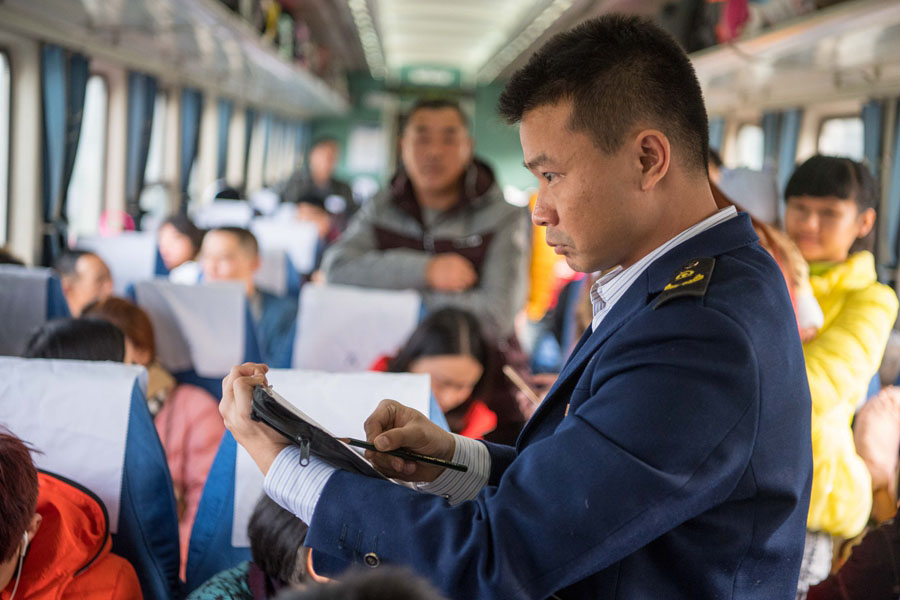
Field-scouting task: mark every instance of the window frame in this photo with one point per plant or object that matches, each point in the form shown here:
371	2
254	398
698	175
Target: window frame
830	116
4	232
757	123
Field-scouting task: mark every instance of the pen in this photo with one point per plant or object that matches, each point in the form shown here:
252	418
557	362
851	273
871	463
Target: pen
405	454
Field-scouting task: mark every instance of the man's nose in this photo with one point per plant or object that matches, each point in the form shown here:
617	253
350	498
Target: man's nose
543	215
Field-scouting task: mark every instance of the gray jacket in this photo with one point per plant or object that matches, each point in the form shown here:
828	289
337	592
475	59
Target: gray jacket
388	244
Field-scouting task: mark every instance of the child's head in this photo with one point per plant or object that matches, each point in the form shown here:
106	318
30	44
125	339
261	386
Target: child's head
830	207
77	339
230	254
140	345
450	346
276	544
179	240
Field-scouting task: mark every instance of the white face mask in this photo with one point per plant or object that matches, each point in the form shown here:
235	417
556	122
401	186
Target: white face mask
21	562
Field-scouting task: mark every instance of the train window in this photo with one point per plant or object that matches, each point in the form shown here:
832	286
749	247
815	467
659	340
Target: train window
750	149
4	144
85	194
154	199
842	136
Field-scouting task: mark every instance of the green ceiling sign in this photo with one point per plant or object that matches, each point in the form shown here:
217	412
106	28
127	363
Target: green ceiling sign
431	76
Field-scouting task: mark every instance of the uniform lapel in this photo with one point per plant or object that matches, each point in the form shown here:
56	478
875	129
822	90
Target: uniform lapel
731	234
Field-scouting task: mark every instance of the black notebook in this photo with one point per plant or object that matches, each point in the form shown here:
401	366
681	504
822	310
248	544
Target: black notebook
313	439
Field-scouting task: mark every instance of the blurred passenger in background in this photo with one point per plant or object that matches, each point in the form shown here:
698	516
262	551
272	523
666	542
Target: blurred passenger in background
84	277
186	417
830	214
232	254
441	227
450	347
54	536
280	561
78	339
179	242
316	179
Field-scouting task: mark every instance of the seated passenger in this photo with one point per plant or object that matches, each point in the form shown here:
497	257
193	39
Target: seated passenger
179	243
232	254
449	346
441	227
84	277
280	561
186	417
54	536
830	213
78	339
318	180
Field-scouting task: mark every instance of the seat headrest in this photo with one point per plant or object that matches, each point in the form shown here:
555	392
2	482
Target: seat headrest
340	403
130	256
345	328
23	304
298	239
196	326
224	213
75	414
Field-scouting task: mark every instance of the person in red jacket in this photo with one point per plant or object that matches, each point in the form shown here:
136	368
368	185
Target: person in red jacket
449	346
54	536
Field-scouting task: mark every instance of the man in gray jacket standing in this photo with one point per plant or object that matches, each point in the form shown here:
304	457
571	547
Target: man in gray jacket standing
441	227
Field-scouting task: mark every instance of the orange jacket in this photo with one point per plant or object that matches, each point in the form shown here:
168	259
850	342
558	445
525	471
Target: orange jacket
70	555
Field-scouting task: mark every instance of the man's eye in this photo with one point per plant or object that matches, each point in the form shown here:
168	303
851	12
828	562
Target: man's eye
550	177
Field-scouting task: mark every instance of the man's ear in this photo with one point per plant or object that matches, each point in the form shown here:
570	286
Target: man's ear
654	155
866	222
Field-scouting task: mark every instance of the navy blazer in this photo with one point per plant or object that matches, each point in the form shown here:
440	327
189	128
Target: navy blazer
671	459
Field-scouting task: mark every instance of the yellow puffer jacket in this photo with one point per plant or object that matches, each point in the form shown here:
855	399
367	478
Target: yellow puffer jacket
840	362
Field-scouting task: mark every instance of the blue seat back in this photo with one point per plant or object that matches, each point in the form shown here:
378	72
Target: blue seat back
29	297
90	422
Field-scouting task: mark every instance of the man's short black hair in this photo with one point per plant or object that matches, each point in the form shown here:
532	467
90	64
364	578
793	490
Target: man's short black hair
834	176
325	139
436	104
65	263
245	239
619	71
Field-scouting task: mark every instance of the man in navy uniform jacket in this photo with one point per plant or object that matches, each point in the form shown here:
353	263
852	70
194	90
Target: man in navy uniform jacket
671	459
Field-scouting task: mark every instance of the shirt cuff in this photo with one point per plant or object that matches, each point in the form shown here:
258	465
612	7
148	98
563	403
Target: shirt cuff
294	487
459	486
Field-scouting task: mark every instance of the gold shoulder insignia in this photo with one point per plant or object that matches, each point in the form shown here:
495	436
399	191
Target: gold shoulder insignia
692	279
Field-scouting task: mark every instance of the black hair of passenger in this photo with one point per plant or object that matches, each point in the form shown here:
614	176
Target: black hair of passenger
65	263
77	339
276	537
7	258
245	237
446	331
385	583
325	139
436	104
186	227
619	72
842	177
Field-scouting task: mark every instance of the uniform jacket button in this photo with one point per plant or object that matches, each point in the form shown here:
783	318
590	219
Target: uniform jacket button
372	560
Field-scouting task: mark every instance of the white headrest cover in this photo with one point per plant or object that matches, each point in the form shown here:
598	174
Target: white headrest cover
297	238
130	256
344	328
196	325
224	213
340	403
76	414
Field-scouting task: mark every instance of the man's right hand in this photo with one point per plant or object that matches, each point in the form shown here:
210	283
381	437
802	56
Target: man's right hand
450	272
393	426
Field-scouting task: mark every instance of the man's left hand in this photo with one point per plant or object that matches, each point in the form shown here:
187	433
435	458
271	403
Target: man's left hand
261	441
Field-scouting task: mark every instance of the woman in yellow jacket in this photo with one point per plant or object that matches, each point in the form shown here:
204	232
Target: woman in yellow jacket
830	212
